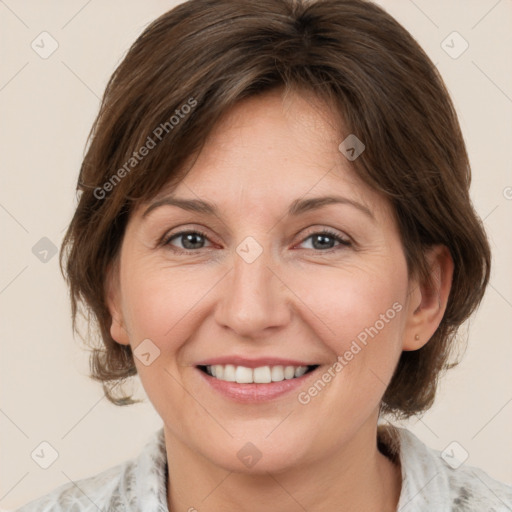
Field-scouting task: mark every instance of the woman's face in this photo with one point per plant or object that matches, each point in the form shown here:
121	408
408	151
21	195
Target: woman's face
257	285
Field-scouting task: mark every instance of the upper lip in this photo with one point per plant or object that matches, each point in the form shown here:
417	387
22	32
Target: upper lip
253	363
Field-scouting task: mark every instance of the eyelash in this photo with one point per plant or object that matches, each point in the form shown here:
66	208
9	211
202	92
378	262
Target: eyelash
167	239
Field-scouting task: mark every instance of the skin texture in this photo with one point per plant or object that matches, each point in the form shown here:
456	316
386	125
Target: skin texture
296	300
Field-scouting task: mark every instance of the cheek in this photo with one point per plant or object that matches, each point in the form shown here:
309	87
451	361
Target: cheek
162	304
348	301
357	312
358	315
160	301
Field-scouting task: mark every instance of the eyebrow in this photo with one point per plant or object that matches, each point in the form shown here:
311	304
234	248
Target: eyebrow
296	208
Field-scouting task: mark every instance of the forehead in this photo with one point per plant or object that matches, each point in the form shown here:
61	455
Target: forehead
272	149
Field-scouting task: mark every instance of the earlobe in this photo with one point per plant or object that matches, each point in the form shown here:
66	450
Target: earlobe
428	301
118	329
118	332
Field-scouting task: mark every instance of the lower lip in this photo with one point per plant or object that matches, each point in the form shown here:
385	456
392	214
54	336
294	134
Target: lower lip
249	393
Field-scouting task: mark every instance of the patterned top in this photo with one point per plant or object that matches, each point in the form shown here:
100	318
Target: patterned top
431	481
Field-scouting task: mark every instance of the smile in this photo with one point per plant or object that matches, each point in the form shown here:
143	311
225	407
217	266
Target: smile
258	375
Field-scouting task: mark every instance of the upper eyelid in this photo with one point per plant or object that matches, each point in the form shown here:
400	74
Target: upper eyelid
168	235
201	229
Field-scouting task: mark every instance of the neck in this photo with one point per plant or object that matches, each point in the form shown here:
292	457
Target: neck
354	477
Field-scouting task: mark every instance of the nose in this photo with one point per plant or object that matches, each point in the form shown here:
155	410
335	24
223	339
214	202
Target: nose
254	300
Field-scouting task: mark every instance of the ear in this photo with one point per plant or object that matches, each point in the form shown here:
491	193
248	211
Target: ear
427	304
118	329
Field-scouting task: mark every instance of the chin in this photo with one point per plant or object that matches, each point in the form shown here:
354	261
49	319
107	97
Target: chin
251	460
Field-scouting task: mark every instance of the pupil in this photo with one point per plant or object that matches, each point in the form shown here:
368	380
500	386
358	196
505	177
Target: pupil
324	238
192	238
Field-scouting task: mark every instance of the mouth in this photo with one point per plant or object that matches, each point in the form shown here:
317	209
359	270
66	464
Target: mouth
259	375
255	381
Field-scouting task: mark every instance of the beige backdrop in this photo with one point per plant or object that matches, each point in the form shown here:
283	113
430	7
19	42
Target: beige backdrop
48	102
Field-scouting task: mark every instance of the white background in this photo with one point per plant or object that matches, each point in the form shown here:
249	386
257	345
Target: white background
47	107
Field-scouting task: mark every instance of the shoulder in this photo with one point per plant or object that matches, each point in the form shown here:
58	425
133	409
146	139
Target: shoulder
83	495
435	480
120	488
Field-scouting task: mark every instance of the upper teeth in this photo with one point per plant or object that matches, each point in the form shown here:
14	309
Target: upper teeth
259	375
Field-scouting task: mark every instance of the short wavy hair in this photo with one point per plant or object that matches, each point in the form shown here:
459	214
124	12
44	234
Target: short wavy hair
211	54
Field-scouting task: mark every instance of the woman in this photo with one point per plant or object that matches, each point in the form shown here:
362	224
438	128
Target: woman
275	233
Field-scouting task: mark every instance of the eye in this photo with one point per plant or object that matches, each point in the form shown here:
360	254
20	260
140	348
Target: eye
324	240
193	240
190	240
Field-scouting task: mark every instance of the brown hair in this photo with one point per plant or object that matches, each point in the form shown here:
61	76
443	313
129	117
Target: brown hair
210	54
